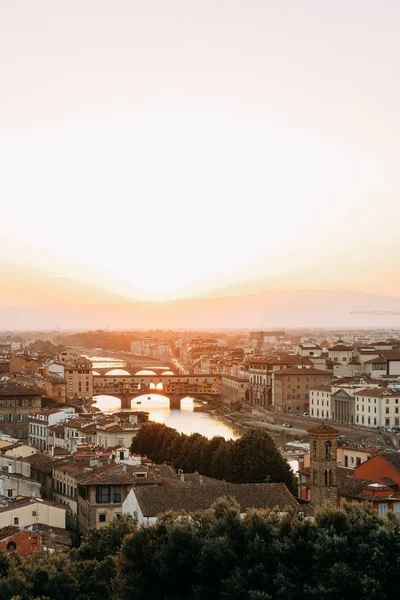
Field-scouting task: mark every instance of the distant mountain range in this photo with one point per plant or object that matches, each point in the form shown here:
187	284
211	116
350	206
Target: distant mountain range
302	308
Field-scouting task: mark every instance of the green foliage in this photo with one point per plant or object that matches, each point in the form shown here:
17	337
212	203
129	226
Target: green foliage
343	555
253	458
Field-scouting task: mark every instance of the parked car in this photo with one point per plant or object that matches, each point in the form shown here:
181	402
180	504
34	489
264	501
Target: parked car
306	414
286	425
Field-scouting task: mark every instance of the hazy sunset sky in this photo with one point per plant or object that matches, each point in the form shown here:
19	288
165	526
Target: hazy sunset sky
160	149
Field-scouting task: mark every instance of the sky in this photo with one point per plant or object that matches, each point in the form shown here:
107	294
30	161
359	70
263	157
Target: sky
164	150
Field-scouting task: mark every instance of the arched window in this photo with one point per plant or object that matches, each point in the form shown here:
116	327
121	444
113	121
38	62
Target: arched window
315	478
328	447
11	546
328	477
314	445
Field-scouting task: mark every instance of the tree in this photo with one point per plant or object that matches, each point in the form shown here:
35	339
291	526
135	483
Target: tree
255	459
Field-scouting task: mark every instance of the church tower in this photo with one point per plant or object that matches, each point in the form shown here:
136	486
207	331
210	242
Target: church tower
323	465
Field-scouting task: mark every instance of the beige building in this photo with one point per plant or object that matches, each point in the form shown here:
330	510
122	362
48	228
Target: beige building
309	349
68	356
102	491
14	484
291	387
378	407
29	511
109	435
261	371
342	356
79	380
39	423
234	388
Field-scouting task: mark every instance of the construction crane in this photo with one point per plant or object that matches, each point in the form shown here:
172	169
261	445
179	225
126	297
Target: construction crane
375	312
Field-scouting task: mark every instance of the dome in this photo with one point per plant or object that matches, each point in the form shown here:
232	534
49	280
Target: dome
117	372
168	373
145	372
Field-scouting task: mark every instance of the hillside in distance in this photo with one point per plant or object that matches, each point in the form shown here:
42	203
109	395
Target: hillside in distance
301	308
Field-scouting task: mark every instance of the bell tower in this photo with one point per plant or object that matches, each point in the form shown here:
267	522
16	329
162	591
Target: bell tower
323	464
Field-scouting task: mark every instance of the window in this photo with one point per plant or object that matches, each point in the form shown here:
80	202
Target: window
102	518
16	520
34	513
328	446
10	493
103	495
328	477
383	506
358	461
116	494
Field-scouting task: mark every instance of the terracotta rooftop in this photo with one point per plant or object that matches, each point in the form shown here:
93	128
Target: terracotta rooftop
25	501
378	392
117	474
12	389
305	372
393	458
323	428
41	462
354	488
154	501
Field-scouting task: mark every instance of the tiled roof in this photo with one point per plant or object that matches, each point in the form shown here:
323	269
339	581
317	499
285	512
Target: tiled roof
379	360
378	392
12	389
390	354
340	348
6	532
25	501
41	462
320	388
281	360
323	428
353	488
117	474
393	458
306	372
156	500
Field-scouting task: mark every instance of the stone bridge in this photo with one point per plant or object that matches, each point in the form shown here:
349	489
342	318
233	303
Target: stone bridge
174	387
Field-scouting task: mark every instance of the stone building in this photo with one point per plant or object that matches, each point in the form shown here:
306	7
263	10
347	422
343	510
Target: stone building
291	387
234	388
323	465
16	403
261	372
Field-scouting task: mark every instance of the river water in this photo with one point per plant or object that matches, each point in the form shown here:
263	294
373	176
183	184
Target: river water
186	420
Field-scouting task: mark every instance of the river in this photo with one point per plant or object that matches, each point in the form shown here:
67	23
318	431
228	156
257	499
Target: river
186	420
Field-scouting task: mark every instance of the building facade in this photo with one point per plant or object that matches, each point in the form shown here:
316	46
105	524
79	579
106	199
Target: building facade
16	403
291	387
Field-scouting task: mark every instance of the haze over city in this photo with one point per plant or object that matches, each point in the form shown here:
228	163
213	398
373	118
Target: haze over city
199	299
165	151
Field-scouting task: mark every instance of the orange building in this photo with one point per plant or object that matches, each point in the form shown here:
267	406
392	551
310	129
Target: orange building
22	541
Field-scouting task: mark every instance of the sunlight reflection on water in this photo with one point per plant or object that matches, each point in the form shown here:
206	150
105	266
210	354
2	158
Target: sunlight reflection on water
185	420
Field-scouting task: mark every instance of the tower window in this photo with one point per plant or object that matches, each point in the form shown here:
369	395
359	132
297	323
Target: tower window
328	447
328	477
